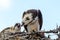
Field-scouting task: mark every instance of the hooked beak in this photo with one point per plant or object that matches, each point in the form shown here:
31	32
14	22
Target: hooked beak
22	24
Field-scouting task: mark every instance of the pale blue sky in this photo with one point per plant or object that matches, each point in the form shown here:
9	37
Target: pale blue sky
11	12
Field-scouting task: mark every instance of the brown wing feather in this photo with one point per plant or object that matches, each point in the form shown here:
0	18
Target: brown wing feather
40	19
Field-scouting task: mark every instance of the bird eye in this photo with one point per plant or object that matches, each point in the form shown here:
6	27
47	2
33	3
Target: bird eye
27	18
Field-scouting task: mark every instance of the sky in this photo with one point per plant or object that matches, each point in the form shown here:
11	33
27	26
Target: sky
11	12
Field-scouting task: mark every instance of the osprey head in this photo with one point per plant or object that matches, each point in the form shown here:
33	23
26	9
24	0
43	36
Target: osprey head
29	16
17	26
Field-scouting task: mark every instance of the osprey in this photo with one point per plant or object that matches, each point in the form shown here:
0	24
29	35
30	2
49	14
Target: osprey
4	34
32	20
15	28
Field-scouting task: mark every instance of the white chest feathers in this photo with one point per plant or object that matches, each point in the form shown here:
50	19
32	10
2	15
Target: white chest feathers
34	27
